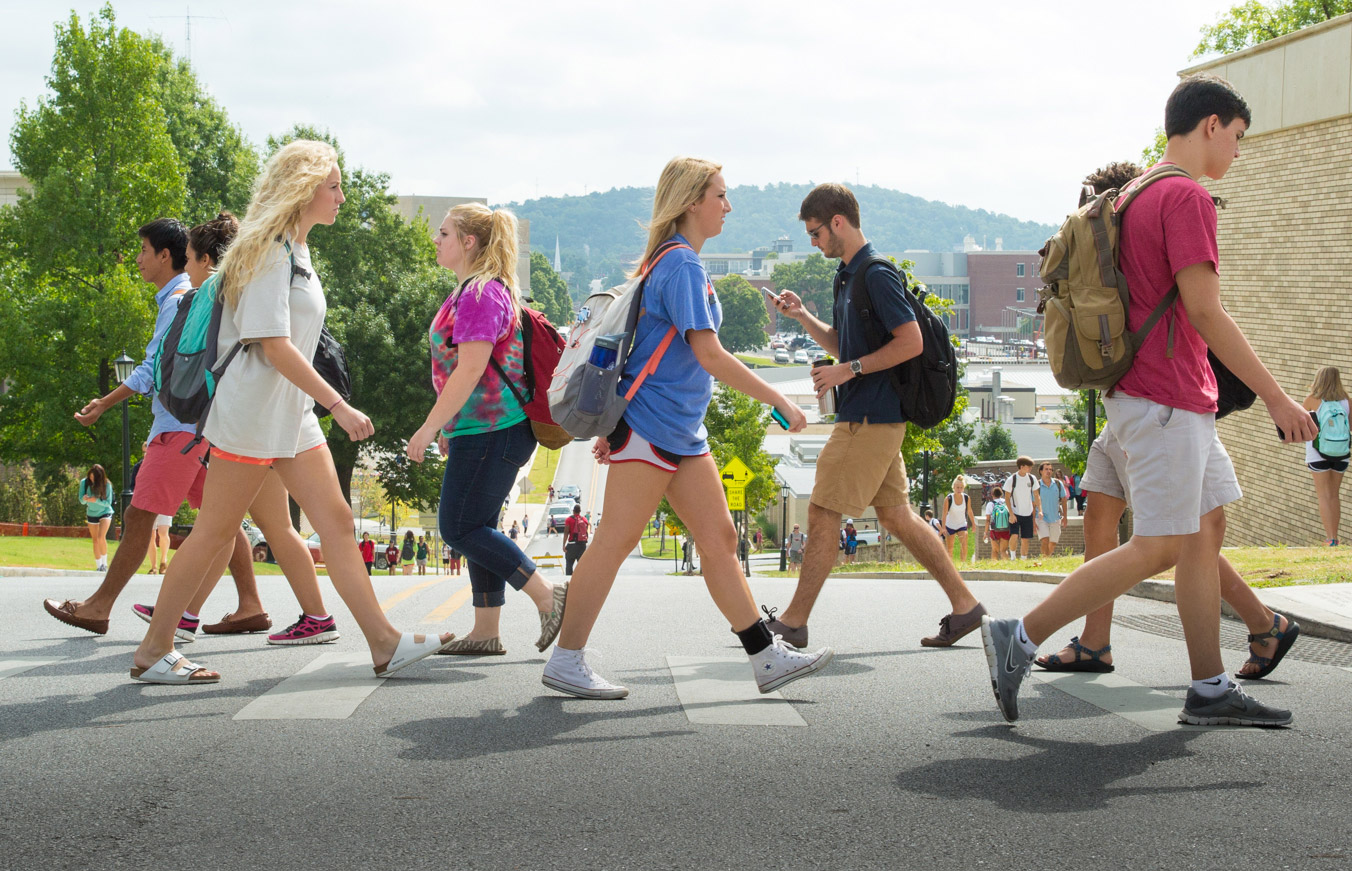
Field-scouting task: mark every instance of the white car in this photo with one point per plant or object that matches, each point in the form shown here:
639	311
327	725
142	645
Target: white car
781	356
800	356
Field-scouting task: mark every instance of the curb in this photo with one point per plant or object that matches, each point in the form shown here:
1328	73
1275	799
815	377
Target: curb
1314	621
32	572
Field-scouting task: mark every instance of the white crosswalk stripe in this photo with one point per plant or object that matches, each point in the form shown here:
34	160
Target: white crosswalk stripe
329	687
722	691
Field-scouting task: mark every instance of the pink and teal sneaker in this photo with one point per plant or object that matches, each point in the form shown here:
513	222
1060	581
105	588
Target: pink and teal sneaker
186	630
307	630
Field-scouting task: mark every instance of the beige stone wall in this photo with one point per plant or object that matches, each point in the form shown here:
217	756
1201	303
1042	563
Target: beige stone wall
1286	276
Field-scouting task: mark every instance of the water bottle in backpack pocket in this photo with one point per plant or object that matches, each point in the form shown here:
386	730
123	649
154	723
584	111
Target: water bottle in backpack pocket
600	375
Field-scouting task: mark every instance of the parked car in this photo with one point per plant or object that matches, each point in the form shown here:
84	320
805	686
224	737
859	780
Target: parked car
816	354
313	544
570	492
781	356
800	356
263	553
777	345
556	515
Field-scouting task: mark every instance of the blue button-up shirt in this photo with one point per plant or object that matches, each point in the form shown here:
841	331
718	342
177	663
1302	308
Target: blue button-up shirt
142	380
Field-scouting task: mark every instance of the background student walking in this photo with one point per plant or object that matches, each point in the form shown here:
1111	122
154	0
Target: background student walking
96	494
1327	456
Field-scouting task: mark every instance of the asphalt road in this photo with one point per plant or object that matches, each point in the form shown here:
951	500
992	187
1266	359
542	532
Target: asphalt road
902	760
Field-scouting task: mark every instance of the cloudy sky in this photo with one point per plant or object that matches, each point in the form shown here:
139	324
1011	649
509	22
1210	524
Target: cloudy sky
994	105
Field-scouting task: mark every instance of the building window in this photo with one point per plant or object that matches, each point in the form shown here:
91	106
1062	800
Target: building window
1018	295
1018	270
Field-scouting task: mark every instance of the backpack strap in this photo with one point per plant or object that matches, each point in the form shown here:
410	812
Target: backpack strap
874	334
645	270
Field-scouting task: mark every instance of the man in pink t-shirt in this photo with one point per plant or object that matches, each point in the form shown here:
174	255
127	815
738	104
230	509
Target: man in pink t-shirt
1162	413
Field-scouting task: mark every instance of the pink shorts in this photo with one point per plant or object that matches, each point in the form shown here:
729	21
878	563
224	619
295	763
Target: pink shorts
168	476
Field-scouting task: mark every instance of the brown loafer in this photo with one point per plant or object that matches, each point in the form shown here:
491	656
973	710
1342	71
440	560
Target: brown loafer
232	625
65	612
954	626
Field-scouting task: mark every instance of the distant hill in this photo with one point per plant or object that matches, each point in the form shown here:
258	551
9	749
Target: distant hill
609	224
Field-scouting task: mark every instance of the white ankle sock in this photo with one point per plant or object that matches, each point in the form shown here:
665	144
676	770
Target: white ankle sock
1022	639
187	616
1212	687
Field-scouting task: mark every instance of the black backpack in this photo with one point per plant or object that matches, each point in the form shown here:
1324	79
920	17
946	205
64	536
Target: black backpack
927	384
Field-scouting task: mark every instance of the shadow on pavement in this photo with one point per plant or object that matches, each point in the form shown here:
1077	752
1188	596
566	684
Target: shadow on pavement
1060	776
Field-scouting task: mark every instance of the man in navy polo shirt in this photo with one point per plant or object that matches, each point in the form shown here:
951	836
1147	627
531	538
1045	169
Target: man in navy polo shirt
861	463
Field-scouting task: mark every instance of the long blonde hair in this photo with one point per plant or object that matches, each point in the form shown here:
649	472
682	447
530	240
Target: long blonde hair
1328	385
495	254
682	184
285	188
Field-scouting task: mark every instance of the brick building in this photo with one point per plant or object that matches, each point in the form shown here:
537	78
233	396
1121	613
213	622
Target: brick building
1286	261
1001	281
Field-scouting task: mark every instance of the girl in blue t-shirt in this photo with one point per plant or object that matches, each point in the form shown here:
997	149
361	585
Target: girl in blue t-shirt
660	448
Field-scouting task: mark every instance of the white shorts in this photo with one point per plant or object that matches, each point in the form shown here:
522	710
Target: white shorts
1176	468
1047	530
1105	471
163	520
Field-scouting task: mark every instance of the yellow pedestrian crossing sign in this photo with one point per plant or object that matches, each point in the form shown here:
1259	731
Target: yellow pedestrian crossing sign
735	474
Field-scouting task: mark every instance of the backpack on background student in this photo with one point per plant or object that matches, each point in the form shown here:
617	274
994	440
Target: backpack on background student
583	396
999	517
1085	301
542	347
927	384
1333	442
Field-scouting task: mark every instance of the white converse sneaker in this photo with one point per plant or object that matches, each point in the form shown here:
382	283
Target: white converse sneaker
567	671
780	664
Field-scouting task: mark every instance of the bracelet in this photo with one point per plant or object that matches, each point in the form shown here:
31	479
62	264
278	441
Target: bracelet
336	404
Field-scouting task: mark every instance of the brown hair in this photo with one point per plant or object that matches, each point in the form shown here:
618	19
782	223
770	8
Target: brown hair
214	236
1024	461
825	201
100	480
1113	176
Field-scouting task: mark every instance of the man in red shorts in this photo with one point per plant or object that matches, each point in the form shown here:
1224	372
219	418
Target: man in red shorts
167	475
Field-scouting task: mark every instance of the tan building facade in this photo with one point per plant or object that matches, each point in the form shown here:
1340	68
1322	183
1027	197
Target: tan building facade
1286	257
10	184
434	209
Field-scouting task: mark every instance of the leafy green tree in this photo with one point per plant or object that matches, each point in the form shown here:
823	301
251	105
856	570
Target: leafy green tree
221	164
1074	453
1250	23
744	315
383	287
99	162
1154	153
996	443
550	291
813	280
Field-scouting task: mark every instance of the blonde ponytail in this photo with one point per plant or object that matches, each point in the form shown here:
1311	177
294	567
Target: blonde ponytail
682	184
495	252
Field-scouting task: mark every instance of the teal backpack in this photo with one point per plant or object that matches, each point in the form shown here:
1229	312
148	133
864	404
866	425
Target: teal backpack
186	371
999	517
1332	443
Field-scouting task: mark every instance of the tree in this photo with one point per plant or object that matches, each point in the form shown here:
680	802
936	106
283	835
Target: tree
1252	22
1154	153
1074	433
220	162
383	287
744	315
813	280
550	291
996	443
99	162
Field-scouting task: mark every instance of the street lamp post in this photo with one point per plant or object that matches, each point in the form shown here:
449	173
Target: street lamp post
925	502
123	366
783	527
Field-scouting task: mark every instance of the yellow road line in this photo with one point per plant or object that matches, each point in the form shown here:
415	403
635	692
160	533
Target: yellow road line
449	607
404	594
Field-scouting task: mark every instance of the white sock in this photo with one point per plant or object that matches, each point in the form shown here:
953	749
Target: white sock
187	616
1212	687
318	618
1022	639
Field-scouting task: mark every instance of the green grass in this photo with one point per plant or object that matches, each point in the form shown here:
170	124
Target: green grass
541	476
75	553
1275	566
650	547
764	362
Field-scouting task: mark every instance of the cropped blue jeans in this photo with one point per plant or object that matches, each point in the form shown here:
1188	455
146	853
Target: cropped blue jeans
481	470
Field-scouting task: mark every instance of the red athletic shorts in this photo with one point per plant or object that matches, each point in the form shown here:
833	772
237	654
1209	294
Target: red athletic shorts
168	476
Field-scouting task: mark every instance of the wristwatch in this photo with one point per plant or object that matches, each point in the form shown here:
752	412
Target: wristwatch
857	368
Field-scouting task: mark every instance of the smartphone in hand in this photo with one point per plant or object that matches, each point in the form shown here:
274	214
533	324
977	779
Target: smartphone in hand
774	298
779	418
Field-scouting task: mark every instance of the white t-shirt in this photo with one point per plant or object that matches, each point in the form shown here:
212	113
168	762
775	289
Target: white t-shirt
1019	489
257	411
1313	456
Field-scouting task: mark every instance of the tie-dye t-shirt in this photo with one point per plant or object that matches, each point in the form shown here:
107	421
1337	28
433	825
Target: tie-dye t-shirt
471	316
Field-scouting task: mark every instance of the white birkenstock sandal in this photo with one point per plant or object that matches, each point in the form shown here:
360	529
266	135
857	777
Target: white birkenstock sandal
409	651
174	668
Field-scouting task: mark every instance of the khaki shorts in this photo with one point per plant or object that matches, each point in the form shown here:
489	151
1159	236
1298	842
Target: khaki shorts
859	466
1048	530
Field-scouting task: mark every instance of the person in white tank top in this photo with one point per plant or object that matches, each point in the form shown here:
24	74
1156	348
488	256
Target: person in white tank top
958	518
